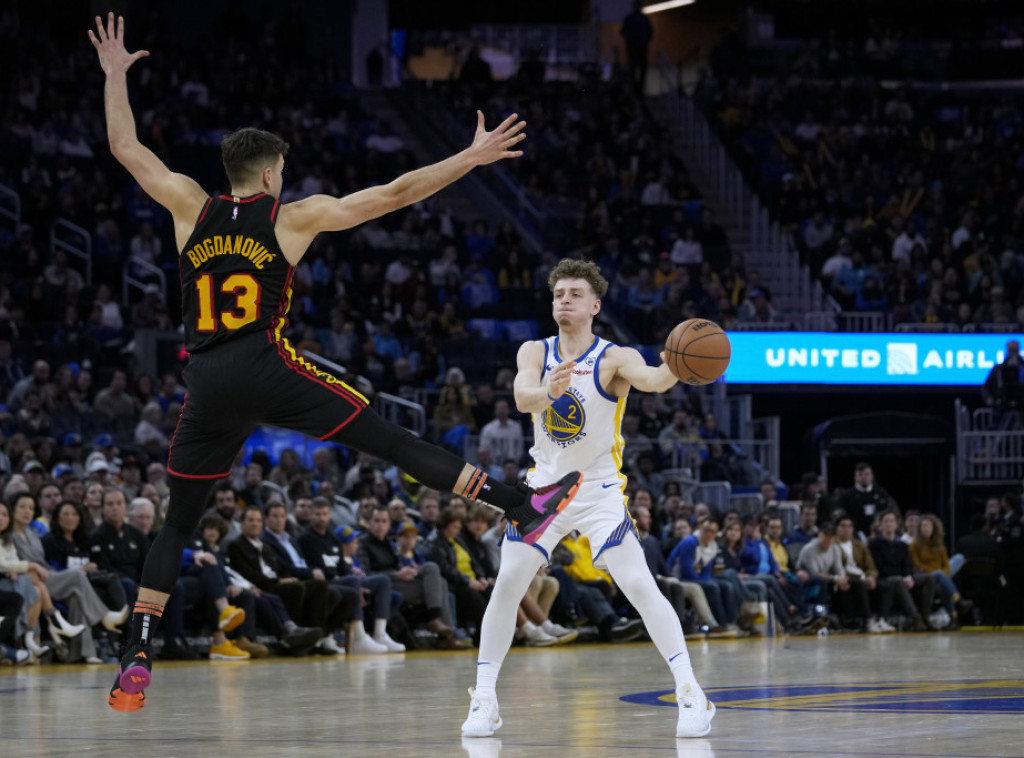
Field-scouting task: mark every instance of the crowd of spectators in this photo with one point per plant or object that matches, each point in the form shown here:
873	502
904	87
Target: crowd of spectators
903	199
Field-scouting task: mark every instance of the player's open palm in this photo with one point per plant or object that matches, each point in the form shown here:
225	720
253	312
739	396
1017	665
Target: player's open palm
559	379
492	146
109	43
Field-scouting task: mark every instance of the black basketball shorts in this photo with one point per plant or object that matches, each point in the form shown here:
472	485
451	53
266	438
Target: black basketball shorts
253	381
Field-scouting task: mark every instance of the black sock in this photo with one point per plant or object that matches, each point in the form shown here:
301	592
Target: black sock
489	490
145	620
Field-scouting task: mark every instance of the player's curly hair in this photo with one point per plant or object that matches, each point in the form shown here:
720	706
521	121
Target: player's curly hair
571	268
246	152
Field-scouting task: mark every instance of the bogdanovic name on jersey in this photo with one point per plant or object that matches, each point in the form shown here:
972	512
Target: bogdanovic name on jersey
227	244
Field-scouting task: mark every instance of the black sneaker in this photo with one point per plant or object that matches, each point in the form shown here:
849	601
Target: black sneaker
177	649
626	630
543	505
134	674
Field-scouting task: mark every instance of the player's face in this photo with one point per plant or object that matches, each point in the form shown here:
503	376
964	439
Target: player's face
574	302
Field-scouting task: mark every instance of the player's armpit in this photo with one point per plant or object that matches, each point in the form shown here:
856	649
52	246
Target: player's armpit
178	193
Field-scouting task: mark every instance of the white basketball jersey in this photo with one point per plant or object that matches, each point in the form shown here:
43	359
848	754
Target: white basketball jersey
580	430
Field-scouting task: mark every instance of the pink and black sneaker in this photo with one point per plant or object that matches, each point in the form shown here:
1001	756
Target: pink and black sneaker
543	505
133	676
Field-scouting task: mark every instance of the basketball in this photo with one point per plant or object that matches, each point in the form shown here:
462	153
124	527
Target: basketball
697	351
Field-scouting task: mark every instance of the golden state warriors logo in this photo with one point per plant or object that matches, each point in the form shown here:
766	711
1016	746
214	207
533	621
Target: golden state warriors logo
957	696
563	420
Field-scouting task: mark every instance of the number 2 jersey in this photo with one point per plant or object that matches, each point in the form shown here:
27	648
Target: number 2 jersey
581	429
235	279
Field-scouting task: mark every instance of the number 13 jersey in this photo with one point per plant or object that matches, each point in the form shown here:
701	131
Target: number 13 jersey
235	279
581	429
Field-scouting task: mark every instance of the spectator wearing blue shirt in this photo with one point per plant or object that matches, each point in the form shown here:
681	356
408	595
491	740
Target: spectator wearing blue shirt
693	560
807	529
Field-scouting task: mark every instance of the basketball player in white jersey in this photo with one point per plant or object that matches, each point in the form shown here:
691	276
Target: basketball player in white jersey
575	385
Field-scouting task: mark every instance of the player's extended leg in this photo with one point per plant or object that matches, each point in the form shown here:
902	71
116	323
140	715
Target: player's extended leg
532	511
519	563
628	568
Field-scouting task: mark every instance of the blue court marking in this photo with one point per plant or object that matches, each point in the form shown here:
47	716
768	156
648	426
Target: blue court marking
969	696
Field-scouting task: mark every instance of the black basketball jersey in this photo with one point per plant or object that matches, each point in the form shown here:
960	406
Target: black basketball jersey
235	279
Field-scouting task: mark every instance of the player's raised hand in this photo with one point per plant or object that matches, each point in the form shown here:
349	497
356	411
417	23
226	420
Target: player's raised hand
109	43
489	147
558	381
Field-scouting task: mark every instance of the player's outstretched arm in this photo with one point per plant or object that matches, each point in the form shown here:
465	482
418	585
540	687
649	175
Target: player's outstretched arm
630	365
531	394
322	213
176	192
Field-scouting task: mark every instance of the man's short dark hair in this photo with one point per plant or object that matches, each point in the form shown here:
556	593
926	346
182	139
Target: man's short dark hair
246	152
827	528
320	502
272	505
861	466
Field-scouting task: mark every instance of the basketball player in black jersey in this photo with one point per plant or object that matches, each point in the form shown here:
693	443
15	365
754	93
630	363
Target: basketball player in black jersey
237	254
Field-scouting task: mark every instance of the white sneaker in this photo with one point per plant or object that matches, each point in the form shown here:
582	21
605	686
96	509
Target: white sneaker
483	719
561	634
884	626
695	711
390	644
364	644
534	636
329	645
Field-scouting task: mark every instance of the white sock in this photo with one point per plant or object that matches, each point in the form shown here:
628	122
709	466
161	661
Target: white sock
380	628
487	677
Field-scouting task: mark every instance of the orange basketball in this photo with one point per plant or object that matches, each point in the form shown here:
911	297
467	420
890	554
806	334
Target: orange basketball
697	351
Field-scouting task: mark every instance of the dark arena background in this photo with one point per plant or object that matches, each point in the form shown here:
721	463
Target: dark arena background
839	184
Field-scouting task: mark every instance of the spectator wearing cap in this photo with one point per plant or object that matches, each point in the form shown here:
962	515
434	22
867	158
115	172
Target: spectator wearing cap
324	550
114	402
71	452
35	475
61	474
407	537
131	477
106	448
98	471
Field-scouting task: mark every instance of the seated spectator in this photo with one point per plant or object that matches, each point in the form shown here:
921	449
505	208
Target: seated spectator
682	595
420	585
70	587
759	563
307	600
928	553
21	578
503	435
807	529
325	551
858	563
595	590
892	557
225	504
466	577
911	522
119	548
67	546
693	560
344	607
821	557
